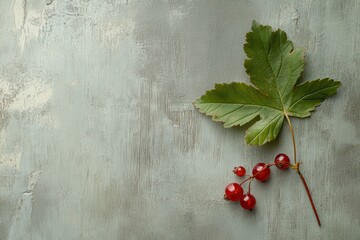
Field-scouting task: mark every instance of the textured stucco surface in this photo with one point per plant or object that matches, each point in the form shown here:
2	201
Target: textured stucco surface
99	138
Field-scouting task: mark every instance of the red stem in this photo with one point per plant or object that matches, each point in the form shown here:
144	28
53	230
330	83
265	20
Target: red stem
296	168
310	198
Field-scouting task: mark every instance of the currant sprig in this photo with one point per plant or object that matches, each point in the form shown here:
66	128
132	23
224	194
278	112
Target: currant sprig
261	172
234	191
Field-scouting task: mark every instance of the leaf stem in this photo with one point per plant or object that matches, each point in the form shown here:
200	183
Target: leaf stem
296	166
292	136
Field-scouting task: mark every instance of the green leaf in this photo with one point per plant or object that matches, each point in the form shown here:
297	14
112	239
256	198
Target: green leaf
310	94
274	67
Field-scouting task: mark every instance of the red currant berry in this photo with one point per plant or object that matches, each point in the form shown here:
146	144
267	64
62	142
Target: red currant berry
233	192
240	171
282	161
261	172
247	201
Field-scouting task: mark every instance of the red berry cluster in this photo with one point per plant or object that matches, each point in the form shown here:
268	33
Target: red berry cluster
261	172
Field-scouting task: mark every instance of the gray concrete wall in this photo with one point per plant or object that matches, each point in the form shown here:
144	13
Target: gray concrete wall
99	139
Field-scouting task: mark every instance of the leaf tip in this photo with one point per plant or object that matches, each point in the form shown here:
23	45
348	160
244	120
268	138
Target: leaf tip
254	23
338	83
196	103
